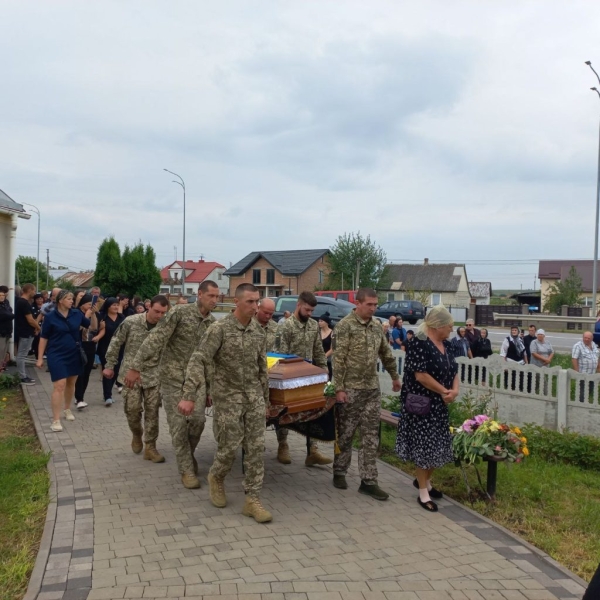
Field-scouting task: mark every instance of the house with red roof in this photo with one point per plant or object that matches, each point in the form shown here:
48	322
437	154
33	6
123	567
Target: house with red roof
195	273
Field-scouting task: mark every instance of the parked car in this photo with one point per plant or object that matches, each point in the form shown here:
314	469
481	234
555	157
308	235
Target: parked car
337	309
409	310
347	295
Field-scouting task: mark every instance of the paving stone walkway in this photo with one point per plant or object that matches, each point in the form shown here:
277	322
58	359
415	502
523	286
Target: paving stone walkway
121	527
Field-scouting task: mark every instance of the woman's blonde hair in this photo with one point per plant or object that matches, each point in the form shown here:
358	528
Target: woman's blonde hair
436	317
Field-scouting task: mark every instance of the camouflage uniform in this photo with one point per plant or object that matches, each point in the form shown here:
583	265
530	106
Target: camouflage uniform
144	397
357	345
167	350
240	392
270	330
302	339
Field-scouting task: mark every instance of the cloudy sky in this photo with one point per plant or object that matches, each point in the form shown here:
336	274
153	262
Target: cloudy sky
457	131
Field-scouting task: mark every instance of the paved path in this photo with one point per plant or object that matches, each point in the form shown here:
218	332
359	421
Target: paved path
122	527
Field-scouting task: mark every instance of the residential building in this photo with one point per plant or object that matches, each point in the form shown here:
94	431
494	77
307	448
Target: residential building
195	273
82	282
430	284
552	271
481	291
281	273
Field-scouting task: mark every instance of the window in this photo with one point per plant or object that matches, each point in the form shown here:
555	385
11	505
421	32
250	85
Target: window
164	290
342	296
390	297
321	276
286	304
219	276
587	301
255	276
190	290
270	276
436	299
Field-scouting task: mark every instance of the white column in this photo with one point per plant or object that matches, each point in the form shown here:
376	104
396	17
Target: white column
562	396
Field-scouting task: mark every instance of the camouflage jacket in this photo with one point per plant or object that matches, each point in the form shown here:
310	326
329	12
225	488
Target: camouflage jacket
302	339
357	345
132	332
233	357
171	343
271	332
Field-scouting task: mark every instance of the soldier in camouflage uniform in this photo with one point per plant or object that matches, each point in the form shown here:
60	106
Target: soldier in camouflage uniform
358	341
235	348
144	397
168	348
299	334
264	316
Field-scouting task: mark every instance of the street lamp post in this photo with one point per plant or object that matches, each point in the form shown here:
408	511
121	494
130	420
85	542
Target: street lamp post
595	273
37	264
182	184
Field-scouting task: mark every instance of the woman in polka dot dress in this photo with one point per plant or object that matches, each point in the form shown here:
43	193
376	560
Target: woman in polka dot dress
430	371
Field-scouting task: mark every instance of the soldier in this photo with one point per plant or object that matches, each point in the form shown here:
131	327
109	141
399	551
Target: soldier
266	308
168	348
358	340
144	396
299	334
235	346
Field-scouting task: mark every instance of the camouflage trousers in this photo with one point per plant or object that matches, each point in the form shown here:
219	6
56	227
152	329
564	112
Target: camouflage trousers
142	400
362	412
240	424
282	436
185	431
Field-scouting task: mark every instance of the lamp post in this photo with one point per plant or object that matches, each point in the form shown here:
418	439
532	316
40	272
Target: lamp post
595	273
37	264
182	184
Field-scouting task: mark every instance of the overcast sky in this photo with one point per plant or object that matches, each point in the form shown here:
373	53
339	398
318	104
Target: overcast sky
457	131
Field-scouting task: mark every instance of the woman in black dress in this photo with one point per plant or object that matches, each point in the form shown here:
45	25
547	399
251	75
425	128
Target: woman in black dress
430	371
326	331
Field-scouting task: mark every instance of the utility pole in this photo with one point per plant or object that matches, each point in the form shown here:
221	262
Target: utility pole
47	267
357	273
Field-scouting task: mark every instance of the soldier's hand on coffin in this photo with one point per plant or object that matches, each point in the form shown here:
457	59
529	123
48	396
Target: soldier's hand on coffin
186	407
396	385
131	378
341	397
208	401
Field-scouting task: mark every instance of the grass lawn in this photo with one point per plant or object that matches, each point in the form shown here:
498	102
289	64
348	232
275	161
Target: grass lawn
23	494
554	506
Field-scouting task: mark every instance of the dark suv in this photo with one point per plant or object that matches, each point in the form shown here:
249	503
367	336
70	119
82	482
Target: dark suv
337	309
409	310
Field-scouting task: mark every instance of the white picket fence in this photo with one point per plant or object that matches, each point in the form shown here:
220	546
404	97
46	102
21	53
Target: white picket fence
552	397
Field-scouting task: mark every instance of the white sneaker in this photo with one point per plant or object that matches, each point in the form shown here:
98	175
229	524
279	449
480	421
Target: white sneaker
69	416
56	426
108	402
119	388
80	405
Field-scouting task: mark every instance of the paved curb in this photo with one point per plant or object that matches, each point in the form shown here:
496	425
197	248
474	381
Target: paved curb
37	575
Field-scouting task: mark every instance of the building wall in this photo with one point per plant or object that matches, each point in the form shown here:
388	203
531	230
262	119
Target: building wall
546	284
221	280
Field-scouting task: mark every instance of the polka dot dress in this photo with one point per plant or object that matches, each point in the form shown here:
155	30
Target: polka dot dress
426	440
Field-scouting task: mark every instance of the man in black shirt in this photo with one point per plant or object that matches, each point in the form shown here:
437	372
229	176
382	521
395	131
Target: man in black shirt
26	327
527	341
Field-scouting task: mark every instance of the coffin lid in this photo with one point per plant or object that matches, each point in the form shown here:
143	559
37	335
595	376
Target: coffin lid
293	368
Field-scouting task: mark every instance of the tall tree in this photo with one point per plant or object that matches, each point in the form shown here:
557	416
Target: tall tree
564	292
153	278
110	273
143	277
353	253
26	272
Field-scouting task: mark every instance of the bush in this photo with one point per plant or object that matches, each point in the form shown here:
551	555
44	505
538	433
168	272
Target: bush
568	447
9	381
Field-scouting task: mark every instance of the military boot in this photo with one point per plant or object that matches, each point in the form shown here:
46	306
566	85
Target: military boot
190	481
316	458
283	453
339	481
151	453
373	490
253	508
217	491
137	444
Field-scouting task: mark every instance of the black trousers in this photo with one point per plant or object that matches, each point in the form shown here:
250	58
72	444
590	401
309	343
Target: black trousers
108	384
82	381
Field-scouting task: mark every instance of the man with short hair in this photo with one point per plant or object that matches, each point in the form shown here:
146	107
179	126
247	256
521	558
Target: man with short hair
233	357
391	325
49	306
168	348
26	327
472	333
527	339
286	315
300	335
584	359
358	343
144	396
264	316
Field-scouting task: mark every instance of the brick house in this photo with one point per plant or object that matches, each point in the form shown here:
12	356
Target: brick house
195	273
281	273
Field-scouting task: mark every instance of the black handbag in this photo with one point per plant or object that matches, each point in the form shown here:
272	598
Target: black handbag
417	405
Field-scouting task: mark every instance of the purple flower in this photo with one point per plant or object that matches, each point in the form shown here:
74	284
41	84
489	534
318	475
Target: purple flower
479	419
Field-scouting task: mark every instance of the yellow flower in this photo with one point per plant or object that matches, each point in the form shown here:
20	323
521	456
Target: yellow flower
524	439
4	399
517	431
494	426
525	451
451	429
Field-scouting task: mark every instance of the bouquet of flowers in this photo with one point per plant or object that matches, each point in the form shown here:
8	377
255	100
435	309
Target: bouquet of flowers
481	436
329	391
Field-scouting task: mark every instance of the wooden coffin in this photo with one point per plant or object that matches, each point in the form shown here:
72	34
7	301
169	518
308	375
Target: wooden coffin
297	384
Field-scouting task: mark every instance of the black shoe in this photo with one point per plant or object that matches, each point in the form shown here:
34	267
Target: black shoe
27	381
433	493
373	490
339	481
429	506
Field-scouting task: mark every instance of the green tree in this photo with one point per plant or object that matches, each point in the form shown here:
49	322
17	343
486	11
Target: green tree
564	292
354	253
153	278
109	274
26	272
142	276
